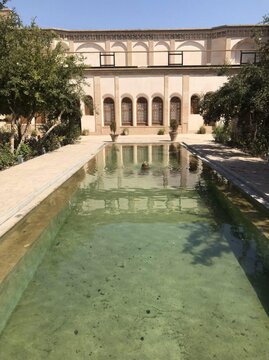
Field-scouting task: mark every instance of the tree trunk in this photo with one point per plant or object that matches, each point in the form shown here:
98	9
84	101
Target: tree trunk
22	135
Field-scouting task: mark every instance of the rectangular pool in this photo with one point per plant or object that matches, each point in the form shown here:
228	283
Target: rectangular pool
150	264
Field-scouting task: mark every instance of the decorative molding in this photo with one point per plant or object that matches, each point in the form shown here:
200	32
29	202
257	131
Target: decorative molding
157	35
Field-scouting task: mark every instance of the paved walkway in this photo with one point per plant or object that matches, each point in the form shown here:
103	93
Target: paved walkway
251	174
24	186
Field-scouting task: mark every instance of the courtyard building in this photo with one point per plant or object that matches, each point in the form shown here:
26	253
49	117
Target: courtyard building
145	78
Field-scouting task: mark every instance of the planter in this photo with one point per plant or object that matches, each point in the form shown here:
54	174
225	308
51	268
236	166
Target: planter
114	137
173	135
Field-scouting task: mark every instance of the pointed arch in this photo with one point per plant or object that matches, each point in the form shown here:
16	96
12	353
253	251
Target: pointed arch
175	109
91	53
157	111
195	100
193	53
120	50
142	111
247	47
140	54
109	111
126	112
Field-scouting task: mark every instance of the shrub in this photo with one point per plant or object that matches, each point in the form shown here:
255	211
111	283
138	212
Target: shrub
26	151
52	142
34	133
174	124
6	157
202	130
113	127
161	132
125	131
85	132
5	135
221	134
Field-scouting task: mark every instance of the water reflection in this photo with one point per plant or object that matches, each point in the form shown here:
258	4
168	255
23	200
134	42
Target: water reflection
177	187
142	179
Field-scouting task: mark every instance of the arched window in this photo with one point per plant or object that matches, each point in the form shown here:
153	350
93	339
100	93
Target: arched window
157	111
195	104
88	108
109	111
142	111
175	109
126	112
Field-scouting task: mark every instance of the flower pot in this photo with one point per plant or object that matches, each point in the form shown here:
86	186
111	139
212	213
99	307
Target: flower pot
114	137
173	135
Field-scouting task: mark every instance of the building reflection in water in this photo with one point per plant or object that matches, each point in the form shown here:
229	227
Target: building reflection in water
118	184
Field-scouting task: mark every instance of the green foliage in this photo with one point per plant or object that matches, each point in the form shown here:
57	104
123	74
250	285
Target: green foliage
26	151
3	3
35	77
125	132
202	130
174	124
243	100
6	157
222	134
85	132
113	127
34	133
161	132
5	135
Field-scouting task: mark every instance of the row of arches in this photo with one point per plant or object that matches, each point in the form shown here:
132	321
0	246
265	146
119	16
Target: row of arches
142	110
191	53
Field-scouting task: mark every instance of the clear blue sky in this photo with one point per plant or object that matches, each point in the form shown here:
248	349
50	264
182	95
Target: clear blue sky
140	14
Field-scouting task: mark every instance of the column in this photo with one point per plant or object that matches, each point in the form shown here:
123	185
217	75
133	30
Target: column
185	112
117	103
166	104
149	111
208	51
227	51
129	52
107	49
98	105
151	53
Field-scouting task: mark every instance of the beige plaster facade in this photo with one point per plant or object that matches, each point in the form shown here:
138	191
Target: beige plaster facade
144	78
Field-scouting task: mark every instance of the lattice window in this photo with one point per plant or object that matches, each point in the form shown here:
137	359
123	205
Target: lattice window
175	109
109	111
195	100
127	112
142	111
157	111
88	108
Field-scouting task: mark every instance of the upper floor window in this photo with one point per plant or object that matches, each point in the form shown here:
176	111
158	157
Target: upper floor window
157	111
175	58
175	109
126	112
109	111
107	59
195	104
142	111
88	107
248	57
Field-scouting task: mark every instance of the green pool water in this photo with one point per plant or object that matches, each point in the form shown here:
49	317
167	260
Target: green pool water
149	264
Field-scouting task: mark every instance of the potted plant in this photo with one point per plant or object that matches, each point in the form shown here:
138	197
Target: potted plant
173	132
113	129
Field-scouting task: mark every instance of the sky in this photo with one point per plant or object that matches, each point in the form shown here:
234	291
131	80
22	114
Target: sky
140	14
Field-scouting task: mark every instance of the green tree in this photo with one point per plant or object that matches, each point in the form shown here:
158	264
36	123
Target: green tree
242	103
37	78
3	3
